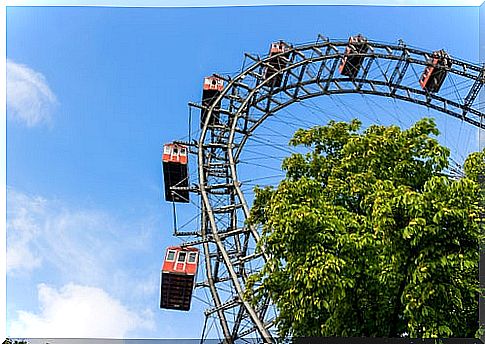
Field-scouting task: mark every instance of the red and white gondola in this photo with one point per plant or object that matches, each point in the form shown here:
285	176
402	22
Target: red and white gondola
174	161
212	88
435	72
279	51
178	277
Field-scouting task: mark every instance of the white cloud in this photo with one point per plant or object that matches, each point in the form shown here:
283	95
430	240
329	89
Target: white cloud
22	228
29	98
77	311
84	245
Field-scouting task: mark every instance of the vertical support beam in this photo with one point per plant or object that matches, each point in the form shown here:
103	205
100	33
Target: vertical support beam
237	323
332	72
367	67
473	93
320	70
211	282
287	75
300	78
323	64
399	72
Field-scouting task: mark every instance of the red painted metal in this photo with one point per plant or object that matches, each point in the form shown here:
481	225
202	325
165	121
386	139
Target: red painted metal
278	47
434	74
181	260
213	83
173	152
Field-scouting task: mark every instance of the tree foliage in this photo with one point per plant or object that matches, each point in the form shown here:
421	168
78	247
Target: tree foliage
369	237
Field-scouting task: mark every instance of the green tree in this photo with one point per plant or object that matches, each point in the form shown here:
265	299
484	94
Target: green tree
369	237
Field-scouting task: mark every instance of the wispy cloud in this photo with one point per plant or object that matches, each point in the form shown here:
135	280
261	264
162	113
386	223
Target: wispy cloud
37	226
77	311
22	230
29	97
82	245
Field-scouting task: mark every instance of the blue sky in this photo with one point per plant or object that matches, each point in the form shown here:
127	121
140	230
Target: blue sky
212	3
93	93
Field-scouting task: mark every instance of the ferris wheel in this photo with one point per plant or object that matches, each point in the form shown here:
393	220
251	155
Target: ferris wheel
229	157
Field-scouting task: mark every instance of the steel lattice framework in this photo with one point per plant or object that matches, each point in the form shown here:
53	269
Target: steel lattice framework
245	102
